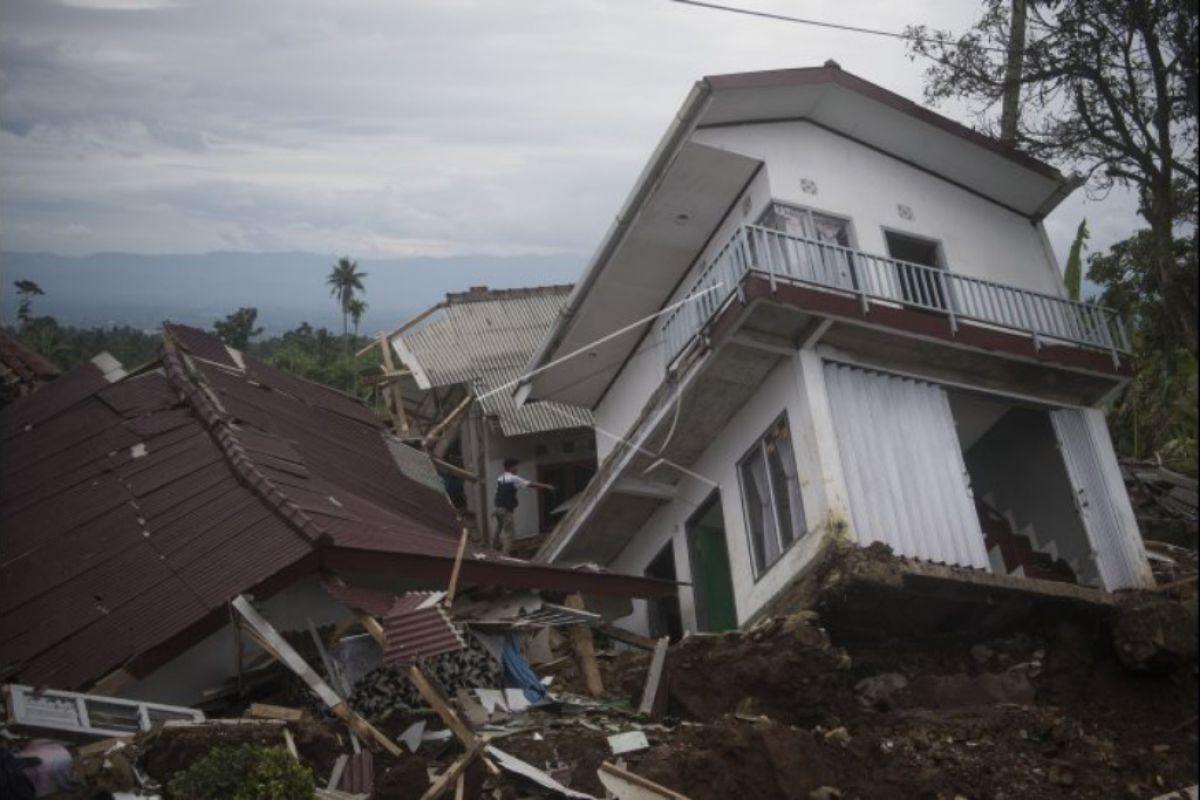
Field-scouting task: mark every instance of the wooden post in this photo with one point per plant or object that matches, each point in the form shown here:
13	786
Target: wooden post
585	649
479	455
448	600
654	677
399	418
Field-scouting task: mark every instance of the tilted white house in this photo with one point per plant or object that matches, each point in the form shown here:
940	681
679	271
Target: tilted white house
877	346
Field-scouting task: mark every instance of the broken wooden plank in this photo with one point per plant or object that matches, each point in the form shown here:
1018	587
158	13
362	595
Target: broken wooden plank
628	637
625	785
436	430
458	557
291	744
275	644
266	711
452	773
335	775
585	649
654	677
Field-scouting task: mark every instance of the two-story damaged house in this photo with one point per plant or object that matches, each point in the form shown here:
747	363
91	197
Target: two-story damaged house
856	329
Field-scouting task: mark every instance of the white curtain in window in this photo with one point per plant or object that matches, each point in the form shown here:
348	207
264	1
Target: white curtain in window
787	462
767	534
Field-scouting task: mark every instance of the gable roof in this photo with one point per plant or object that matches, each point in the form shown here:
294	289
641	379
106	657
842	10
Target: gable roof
133	508
484	338
645	254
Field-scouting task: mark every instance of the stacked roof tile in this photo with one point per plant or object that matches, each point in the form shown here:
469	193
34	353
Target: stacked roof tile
484	339
132	508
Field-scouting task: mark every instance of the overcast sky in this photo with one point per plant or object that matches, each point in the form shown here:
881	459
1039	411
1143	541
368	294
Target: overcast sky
383	128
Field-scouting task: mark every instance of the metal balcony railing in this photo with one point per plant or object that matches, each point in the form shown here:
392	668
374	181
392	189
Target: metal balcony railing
873	279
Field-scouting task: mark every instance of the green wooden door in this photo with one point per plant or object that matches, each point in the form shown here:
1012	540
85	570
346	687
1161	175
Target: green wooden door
713	580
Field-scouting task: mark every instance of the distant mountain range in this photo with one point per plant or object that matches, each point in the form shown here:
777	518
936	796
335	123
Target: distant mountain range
287	288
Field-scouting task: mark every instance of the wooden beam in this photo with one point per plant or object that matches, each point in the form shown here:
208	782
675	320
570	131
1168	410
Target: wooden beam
448	600
437	429
388	336
585	649
399	419
454	469
625	785
114	682
654	677
277	646
452	773
628	637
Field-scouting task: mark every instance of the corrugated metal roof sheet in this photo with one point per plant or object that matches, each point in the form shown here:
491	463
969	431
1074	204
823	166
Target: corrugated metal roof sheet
417	628
484	338
130	512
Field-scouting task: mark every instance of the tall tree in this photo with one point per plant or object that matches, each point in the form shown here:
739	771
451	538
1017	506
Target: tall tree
343	281
26	290
237	329
357	307
1110	89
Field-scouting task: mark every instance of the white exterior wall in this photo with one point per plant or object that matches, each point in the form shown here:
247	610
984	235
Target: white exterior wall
524	449
208	663
621	405
784	389
978	237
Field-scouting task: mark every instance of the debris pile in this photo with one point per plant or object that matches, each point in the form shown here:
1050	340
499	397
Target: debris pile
527	695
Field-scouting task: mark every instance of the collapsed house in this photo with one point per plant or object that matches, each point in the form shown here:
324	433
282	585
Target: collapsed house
22	370
136	506
846	323
450	393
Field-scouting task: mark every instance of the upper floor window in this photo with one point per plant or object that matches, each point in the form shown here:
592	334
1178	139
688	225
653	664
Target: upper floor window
815	247
771	494
806	223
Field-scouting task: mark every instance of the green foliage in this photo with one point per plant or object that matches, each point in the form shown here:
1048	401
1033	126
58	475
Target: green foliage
243	773
1108	90
68	347
1073	276
1155	416
237	329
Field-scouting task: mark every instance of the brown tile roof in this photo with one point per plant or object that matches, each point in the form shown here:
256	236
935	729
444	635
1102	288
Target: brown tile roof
22	370
131	512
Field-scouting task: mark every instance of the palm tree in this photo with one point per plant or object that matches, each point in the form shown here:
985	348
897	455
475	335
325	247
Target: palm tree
343	281
27	289
356	308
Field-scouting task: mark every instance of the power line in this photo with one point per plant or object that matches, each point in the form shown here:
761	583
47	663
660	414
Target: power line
907	37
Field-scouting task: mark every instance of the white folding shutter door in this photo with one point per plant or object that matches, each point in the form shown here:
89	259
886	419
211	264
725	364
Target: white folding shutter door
1101	498
905	476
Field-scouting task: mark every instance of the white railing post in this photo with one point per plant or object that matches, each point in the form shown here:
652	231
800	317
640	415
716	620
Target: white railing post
948	299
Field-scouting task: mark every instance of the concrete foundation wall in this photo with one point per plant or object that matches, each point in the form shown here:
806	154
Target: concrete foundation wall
785	389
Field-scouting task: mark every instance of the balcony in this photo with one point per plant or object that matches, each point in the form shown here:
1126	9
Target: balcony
886	291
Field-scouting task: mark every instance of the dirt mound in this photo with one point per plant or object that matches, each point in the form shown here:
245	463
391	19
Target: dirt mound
785	668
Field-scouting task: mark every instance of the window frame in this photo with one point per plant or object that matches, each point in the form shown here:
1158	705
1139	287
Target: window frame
758	450
809	211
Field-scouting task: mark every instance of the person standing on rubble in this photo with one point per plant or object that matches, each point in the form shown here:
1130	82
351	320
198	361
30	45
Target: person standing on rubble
506	501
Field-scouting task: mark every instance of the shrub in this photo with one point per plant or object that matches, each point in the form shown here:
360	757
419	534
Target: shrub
243	773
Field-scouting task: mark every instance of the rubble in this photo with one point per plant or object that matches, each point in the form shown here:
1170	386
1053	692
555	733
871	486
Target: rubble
1093	701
